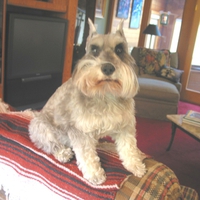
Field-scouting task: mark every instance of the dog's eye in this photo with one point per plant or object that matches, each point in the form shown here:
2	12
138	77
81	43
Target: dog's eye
95	50
119	49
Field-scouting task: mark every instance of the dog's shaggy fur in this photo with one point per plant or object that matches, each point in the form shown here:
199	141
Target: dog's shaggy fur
97	101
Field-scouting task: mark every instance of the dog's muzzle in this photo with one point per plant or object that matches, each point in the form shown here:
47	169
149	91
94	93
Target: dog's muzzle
107	69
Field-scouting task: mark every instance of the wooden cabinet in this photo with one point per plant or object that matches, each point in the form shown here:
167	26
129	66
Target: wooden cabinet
65	9
51	5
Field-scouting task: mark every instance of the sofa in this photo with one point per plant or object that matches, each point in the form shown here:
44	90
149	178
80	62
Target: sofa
159	82
28	173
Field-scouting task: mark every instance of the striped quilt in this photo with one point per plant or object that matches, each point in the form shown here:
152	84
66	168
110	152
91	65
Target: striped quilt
29	170
26	173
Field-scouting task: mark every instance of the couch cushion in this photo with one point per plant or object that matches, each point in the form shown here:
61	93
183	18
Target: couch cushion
157	90
150	61
178	84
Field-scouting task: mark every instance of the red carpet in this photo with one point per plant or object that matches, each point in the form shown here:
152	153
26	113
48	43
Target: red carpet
184	156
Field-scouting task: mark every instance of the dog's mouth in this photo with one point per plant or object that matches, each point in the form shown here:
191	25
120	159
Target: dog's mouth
107	80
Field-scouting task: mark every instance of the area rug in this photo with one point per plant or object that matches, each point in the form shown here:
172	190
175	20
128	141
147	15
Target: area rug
183	107
184	156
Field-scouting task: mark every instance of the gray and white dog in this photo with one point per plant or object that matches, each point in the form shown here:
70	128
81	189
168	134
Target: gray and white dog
96	102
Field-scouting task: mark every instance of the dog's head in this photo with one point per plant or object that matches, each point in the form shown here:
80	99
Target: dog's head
107	67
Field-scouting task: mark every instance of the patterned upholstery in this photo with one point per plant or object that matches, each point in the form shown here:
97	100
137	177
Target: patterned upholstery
150	61
159	183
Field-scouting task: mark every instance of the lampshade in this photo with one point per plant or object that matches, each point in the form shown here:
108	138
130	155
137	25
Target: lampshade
152	29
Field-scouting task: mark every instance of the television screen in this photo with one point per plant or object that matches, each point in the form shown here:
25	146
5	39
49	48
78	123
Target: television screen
36	45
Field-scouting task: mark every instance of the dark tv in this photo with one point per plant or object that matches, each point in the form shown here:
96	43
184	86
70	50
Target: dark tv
34	59
36	45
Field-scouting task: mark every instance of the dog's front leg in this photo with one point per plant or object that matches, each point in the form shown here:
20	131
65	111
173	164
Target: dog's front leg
87	158
129	154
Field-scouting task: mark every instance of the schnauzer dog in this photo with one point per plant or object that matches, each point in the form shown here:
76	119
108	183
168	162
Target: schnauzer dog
97	101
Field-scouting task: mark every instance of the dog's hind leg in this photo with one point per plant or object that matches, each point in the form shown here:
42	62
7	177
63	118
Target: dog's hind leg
43	135
63	153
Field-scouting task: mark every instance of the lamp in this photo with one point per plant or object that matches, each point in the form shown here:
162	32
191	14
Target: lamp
152	29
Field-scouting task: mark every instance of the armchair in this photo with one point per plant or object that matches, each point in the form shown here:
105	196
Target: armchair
159	82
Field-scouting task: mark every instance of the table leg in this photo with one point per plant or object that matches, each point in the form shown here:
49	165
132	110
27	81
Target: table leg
172	136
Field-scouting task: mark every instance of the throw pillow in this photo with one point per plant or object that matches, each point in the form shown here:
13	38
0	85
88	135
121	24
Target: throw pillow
150	61
174	60
170	73
167	55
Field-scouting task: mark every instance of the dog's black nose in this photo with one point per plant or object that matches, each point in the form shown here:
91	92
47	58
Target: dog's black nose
107	69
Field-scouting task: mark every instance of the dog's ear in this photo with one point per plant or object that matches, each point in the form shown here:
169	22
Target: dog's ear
92	32
92	29
120	29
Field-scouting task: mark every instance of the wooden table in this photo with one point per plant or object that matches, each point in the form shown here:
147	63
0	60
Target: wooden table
191	130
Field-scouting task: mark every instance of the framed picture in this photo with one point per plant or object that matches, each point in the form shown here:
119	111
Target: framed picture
164	18
123	8
100	8
136	13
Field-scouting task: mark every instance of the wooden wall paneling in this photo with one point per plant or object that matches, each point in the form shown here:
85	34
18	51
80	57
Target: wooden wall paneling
158	5
176	10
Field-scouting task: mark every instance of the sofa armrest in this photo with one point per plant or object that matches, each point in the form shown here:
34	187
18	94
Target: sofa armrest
159	182
178	86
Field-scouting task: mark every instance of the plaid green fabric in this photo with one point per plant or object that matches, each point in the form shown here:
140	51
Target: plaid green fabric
158	183
189	193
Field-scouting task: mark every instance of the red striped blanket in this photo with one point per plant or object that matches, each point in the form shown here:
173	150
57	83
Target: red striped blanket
65	180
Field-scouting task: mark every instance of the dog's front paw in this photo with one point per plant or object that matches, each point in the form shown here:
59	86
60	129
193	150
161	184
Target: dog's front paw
63	155
96	177
138	169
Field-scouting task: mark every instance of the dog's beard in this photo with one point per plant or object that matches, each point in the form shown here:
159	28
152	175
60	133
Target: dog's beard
92	82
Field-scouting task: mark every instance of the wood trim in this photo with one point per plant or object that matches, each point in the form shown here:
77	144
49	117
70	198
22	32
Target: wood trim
3	49
71	16
111	6
51	5
1	91
90	13
144	22
190	24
